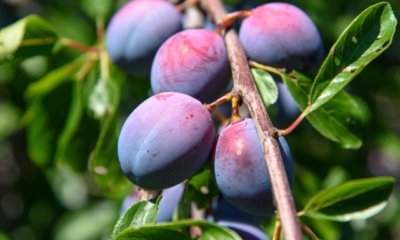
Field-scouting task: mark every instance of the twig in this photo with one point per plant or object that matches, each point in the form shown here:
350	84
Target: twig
245	87
309	232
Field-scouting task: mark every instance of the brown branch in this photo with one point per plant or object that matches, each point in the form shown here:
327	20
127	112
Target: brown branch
245	87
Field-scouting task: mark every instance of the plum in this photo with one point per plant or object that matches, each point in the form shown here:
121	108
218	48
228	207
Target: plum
137	30
282	35
240	171
165	140
193	62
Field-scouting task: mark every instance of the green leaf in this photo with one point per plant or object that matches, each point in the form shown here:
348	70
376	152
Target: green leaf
104	98
141	213
98	11
362	41
53	79
209	230
335	119
28	37
103	101
79	134
45	119
266	86
104	165
358	199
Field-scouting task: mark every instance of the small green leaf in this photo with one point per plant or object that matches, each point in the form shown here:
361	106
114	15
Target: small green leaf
28	37
358	199
104	98
209	230
335	119
266	86
141	213
362	41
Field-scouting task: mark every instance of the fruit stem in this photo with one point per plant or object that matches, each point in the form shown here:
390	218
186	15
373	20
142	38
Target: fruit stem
309	232
277	71
244	86
226	98
77	45
37	41
229	19
235	109
87	66
283	132
277	230
104	65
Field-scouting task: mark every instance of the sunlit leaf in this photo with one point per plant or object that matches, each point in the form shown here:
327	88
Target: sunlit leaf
266	86
362	41
141	213
335	119
358	199
104	98
29	36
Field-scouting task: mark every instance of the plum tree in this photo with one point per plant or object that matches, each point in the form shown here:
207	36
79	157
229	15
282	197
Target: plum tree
169	202
282	35
193	62
137	30
165	140
240	169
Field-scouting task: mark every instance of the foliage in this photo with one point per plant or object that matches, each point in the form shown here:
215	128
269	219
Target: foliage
62	105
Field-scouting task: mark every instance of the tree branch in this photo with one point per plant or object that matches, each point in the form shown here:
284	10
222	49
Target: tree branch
243	85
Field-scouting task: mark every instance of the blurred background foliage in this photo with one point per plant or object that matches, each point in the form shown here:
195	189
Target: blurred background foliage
59	176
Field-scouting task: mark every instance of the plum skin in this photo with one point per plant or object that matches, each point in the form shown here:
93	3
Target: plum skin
282	35
240	171
137	30
193	62
165	140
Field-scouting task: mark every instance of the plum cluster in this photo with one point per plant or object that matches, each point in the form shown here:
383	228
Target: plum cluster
171	135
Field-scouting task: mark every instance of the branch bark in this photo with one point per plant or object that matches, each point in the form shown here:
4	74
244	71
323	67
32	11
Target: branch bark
243	85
